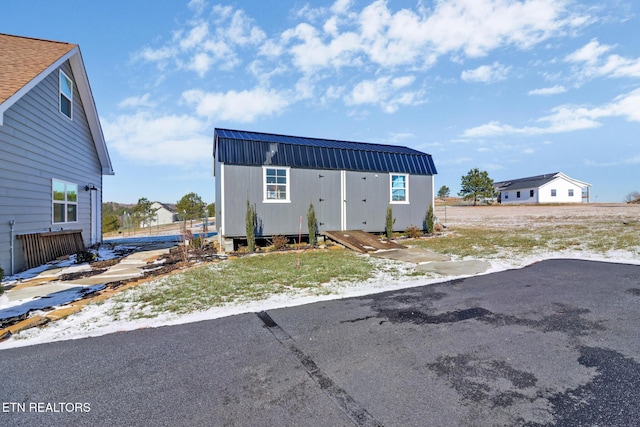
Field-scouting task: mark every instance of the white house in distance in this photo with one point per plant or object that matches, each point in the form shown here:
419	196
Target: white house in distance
165	214
549	188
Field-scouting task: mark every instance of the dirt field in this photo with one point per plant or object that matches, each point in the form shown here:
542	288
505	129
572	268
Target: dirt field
537	215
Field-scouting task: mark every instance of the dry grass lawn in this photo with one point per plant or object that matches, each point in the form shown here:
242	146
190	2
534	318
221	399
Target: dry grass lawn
500	231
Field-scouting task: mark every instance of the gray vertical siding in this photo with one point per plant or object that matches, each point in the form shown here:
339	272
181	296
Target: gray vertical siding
37	144
367	198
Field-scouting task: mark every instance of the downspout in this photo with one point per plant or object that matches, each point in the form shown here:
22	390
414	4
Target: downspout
12	223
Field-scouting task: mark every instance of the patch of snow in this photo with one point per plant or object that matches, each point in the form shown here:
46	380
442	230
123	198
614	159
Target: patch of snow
98	319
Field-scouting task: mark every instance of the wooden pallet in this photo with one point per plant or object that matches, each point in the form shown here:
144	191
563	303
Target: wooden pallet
361	241
40	248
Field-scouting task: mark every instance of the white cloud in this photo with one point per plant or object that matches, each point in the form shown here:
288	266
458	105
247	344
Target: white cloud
197	6
398	137
198	48
136	102
384	93
200	63
567	118
593	62
157	55
158	139
486	73
476	27
548	90
624	162
589	53
242	31
195	36
374	40
418	37
341	6
239	106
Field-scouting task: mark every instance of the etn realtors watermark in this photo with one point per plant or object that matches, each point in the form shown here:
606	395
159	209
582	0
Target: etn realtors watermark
44	407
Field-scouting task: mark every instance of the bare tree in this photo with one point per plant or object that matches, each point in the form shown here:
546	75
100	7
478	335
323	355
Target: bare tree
633	197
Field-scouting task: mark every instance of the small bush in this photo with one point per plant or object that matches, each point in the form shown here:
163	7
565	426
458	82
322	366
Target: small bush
389	221
311	224
412	232
250	225
85	256
429	220
438	228
279	242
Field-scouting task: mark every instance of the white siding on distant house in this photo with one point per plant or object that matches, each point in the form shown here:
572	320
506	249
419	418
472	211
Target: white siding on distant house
562	188
163	215
525	196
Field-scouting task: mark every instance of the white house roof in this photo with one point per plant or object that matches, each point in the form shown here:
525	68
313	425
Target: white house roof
25	62
535	182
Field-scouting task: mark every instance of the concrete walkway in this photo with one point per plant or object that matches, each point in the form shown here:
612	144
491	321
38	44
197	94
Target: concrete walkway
428	261
46	285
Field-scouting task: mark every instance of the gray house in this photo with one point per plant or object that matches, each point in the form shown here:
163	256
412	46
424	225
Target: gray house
350	184
52	153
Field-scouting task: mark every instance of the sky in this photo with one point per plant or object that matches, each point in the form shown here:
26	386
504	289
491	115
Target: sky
514	87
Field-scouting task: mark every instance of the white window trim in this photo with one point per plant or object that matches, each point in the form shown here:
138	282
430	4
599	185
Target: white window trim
397	202
76	203
287	185
60	94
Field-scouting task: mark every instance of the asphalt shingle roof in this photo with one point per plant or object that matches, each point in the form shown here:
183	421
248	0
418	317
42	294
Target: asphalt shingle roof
529	182
22	59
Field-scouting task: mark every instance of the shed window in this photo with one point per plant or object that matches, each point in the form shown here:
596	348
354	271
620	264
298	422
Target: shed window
65	201
399	188
571	192
553	193
66	95
276	185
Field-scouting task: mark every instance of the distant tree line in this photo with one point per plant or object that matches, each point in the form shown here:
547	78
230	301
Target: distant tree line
189	207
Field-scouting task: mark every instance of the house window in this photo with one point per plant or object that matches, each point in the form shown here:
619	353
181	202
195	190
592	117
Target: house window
399	188
65	201
553	193
530	193
276	185
517	194
571	192
506	195
66	95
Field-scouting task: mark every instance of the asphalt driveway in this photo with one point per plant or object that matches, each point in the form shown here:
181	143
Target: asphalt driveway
556	343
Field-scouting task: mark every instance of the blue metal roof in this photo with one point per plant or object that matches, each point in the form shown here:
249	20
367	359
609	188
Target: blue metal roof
239	147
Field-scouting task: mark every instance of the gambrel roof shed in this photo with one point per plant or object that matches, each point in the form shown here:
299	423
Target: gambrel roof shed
25	62
236	147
